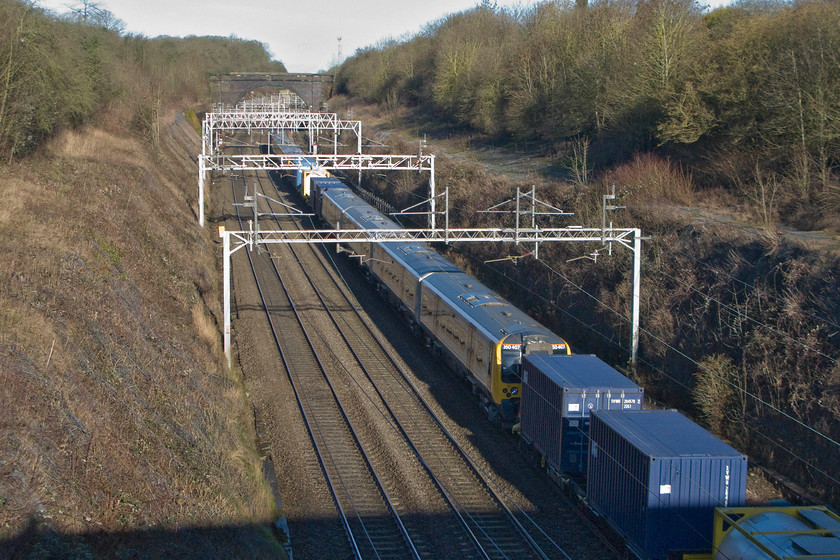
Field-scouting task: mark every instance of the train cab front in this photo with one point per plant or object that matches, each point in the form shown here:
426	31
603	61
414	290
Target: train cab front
506	382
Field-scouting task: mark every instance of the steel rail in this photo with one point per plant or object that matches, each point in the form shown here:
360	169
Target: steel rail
470	522
313	427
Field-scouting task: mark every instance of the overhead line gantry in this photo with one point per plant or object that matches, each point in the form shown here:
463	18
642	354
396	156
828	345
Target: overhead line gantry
217	122
212	159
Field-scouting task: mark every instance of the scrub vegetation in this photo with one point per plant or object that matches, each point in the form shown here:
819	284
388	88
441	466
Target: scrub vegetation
58	72
744	98
122	433
721	133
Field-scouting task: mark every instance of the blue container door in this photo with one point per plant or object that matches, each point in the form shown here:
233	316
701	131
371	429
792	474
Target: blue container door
684	492
575	445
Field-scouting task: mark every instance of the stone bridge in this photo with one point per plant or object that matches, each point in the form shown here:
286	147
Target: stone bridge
314	89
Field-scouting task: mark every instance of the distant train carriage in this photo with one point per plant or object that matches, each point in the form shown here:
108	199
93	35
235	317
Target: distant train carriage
401	267
341	208
320	184
280	144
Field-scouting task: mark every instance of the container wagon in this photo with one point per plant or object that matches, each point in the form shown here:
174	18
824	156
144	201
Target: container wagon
657	477
558	395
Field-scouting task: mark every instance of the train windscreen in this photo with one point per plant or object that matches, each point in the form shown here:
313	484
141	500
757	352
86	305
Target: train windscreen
511	363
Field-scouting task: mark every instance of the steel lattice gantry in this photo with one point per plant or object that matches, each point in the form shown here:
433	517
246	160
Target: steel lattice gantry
359	162
333	162
313	123
630	238
279	102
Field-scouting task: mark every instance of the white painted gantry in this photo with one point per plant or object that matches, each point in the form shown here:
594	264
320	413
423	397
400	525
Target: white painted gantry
278	104
291	162
630	238
280	101
313	123
215	123
211	158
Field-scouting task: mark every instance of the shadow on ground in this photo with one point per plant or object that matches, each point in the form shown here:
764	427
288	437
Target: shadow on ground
38	541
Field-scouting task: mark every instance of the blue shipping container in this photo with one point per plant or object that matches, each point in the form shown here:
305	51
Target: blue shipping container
656	477
558	394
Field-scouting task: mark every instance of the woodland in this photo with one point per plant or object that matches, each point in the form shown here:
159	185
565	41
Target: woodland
60	71
122	434
744	98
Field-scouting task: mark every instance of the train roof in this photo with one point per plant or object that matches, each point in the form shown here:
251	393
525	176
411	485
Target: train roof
485	308
478	303
665	433
581	370
285	145
327	183
360	213
419	258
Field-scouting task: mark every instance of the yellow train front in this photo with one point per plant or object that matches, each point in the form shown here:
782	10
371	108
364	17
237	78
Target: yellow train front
476	332
485	336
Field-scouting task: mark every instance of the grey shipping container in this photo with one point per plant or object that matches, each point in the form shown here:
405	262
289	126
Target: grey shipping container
656	477
558	394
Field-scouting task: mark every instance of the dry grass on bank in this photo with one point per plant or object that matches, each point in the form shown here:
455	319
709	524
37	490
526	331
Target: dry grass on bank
120	430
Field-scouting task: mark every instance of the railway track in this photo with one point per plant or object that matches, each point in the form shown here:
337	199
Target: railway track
373	527
481	512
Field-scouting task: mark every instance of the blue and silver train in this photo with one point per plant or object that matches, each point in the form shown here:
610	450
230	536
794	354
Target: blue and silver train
279	144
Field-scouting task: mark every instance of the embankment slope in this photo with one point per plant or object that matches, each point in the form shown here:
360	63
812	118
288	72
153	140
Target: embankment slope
121	434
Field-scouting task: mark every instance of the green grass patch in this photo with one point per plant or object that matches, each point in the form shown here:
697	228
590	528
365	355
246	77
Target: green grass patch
192	118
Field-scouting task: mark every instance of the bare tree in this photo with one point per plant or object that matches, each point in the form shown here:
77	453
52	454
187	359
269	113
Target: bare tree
94	13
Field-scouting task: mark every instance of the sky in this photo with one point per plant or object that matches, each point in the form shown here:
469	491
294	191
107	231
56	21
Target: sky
303	35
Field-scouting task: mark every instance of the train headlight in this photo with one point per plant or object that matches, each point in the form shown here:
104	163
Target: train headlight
514	390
